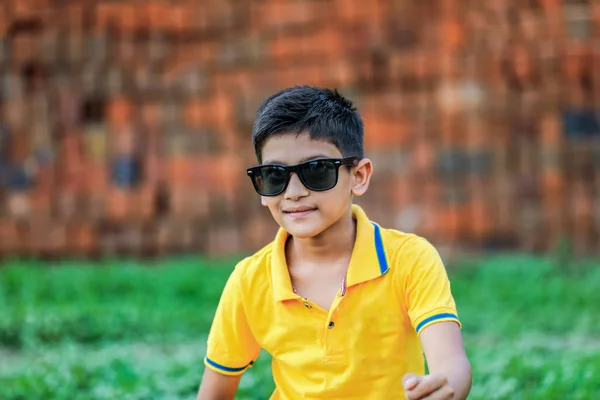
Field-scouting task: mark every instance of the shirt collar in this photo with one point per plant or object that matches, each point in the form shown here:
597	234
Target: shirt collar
368	259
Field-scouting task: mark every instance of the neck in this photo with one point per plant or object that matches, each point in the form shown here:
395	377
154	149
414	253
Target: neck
334	243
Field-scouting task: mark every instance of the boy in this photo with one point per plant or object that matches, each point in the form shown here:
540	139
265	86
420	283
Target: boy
345	307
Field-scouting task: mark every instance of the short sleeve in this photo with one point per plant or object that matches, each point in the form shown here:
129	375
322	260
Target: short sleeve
231	347
427	293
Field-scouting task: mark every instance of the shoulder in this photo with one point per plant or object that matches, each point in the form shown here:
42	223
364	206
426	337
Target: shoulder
404	244
253	270
408	251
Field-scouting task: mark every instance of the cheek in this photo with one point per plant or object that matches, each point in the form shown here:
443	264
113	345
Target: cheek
270	202
344	185
336	198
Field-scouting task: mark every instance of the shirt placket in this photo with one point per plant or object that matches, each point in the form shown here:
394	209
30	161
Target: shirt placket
330	353
332	344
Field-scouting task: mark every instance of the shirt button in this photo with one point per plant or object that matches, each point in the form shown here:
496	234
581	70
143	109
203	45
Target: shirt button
307	305
331	324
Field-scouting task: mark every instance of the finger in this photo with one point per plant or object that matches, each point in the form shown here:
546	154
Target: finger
443	393
427	385
410	381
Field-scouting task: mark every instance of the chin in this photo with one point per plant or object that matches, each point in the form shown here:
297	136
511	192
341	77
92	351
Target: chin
303	231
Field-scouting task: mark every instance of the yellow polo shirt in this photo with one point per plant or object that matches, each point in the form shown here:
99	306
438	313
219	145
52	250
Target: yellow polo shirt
396	286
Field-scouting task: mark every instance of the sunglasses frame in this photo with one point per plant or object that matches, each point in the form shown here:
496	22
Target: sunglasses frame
337	162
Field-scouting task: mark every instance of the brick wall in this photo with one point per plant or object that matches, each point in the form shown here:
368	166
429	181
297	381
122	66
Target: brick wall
125	125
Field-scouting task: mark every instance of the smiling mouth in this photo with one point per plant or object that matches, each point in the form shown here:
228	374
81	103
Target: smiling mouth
298	211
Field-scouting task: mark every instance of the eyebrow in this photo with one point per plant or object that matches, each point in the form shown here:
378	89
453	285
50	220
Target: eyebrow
314	157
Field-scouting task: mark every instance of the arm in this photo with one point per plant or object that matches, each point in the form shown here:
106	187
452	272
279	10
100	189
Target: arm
432	312
215	386
449	368
231	347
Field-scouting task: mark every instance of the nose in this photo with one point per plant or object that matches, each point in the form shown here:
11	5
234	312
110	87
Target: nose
295	188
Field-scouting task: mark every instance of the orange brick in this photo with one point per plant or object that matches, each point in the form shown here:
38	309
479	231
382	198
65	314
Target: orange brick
452	221
285	76
107	15
124	140
423	64
286	47
223	109
205	53
127	16
81	238
550	130
448	65
337	74
223	239
41	203
480	219
66	202
119	112
4	24
450	129
177	170
553	183
288	14
95	205
45	178
402	191
383	131
423	156
258	231
27	8
96	176
451	34
118	202
450	8
9	236
234	80
189	202
24	49
308	74
72	17
199	112
47	236
325	43
355	11
477	133
157	12
322	43
218	174
431	222
142	203
18	205
230	167
166	16
532	27
151	114
551	6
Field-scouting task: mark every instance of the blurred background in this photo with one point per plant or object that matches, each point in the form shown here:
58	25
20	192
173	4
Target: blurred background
124	204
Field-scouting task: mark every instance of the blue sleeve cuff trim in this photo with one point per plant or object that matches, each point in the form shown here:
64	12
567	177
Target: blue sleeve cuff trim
435	318
224	368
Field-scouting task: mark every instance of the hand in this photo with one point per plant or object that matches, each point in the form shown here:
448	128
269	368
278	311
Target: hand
428	387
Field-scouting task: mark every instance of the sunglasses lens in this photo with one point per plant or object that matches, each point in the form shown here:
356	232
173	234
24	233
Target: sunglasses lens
319	174
270	180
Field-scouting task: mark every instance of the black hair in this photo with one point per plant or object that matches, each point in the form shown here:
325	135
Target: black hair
322	113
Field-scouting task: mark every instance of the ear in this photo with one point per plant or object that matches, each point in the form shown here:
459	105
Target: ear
361	177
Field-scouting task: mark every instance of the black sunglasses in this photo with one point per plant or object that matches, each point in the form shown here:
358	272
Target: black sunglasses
317	175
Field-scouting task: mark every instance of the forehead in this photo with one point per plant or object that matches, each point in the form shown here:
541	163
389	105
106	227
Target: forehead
292	149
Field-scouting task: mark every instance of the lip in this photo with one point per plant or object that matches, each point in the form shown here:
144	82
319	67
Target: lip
299	211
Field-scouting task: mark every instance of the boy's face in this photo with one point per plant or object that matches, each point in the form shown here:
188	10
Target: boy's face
300	211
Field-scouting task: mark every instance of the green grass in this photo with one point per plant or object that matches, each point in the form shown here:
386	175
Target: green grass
126	330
